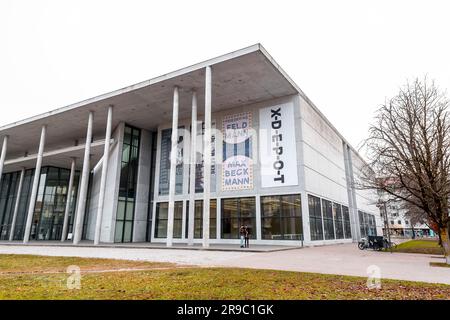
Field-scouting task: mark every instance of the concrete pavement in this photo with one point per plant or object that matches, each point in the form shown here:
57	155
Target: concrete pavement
345	259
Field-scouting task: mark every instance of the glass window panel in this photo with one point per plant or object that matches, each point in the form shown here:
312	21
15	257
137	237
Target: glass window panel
347	225
213	229
129	210
136	138
127	135
177	228
178	210
328	222
281	217
126	153
198	222
338	221
247	207
161	229
178	219
119	231
127	185
237	212
121	210
229	208
271	207
315	218
127	231
134	154
291	206
213	209
162	210
271	228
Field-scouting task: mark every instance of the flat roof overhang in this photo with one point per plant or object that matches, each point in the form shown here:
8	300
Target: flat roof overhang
239	78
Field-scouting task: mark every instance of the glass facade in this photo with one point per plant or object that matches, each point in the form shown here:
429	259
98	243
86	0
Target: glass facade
362	224
162	216
328	223
8	193
24	203
338	221
237	212
315	218
347	224
151	189
334	217
127	186
281	217
50	205
198	219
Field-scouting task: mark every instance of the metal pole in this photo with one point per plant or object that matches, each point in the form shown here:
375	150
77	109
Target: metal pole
173	168
207	157
37	174
78	229
16	205
101	197
68	200
193	158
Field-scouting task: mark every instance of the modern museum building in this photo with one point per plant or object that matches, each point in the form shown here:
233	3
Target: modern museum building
186	158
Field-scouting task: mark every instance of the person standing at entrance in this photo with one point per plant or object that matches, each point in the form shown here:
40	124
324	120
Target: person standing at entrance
246	236
242	235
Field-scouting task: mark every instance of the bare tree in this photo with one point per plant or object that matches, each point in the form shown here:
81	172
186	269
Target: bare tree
409	151
414	214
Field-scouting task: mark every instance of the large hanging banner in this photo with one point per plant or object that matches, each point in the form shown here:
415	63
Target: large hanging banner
277	148
237	166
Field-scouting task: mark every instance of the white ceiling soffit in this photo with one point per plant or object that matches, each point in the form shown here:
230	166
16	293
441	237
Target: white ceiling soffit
241	77
245	76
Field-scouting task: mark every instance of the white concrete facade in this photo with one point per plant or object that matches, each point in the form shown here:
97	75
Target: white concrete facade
321	169
241	83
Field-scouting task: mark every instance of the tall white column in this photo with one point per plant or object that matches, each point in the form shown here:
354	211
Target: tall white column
173	167
105	161
192	164
79	218
16	205
37	174
207	157
68	200
3	156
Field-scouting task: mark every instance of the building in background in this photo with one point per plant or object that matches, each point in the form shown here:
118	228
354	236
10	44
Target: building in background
400	224
122	167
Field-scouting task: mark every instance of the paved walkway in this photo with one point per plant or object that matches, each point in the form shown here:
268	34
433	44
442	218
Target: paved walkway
347	259
153	245
344	259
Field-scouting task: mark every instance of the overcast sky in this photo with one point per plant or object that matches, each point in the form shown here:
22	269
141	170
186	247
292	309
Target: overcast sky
347	56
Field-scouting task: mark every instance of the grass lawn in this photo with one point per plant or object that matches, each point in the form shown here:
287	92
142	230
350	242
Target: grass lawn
35	277
420	246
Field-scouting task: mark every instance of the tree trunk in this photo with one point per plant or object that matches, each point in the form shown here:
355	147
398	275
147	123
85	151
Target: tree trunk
445	244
